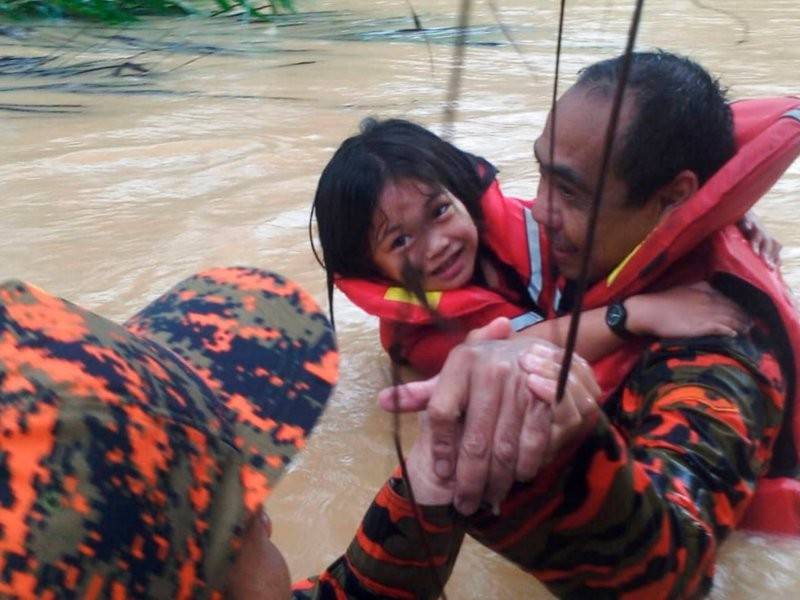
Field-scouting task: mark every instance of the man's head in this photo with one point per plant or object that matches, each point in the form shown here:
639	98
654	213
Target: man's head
675	131
138	458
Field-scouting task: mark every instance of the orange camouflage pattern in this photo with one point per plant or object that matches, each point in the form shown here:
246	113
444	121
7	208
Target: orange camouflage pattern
635	510
130	457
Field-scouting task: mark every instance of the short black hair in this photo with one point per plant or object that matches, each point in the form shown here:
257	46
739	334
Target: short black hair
351	184
682	120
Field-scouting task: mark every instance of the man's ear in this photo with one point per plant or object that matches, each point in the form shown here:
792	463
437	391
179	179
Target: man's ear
680	189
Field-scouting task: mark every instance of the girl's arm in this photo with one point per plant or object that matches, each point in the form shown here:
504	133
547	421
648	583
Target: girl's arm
683	311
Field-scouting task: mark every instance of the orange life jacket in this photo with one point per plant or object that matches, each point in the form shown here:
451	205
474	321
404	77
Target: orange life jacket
695	241
698	240
510	233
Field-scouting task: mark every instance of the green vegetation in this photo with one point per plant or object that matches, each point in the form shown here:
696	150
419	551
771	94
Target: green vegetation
120	11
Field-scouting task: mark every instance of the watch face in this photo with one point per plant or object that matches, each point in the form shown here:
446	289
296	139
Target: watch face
615	314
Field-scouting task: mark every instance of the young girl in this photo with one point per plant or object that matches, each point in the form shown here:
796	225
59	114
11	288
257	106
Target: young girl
399	209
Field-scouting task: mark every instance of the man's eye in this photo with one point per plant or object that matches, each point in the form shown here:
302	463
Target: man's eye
565	190
442	209
400	242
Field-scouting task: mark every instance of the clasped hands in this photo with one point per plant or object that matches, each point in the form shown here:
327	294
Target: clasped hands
490	417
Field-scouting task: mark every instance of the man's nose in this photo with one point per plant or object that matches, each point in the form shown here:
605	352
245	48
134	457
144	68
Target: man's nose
546	210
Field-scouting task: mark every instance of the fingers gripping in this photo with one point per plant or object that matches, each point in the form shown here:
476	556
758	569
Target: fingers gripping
446	406
409	397
572	416
498	329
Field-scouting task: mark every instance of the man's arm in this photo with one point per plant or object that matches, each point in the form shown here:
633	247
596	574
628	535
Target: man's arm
641	504
387	557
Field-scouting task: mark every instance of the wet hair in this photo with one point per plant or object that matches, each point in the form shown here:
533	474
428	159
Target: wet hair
682	120
352	182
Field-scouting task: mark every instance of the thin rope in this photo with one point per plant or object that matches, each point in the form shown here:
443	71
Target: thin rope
616	109
418	27
456	72
398	447
551	154
506	30
412	280
743	24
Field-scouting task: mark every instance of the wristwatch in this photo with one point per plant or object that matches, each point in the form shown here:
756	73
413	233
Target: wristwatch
616	317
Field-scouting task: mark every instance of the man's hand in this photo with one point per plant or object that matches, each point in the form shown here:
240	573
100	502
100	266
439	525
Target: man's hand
429	489
482	382
466	444
492	417
414	396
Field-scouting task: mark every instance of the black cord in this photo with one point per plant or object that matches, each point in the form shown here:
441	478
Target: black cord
454	87
613	121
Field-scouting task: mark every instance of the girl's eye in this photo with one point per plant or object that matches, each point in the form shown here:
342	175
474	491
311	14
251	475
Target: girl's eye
400	241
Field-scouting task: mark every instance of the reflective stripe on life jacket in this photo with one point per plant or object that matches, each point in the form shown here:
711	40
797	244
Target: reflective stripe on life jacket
518	240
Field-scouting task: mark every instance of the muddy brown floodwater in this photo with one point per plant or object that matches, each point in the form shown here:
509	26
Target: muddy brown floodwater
134	157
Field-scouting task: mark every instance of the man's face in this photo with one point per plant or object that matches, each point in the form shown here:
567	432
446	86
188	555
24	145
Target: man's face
567	188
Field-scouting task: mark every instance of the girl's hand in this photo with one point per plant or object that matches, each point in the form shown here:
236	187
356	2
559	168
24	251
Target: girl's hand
569	419
766	246
685	311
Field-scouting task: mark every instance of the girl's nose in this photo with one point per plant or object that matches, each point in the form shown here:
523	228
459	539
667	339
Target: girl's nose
435	244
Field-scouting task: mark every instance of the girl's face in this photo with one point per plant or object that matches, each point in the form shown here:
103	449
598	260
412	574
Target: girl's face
427	226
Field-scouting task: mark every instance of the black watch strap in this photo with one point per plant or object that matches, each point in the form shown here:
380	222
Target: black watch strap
617	318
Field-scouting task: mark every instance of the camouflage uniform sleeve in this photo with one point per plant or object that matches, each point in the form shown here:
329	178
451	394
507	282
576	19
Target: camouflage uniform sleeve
640	506
387	558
